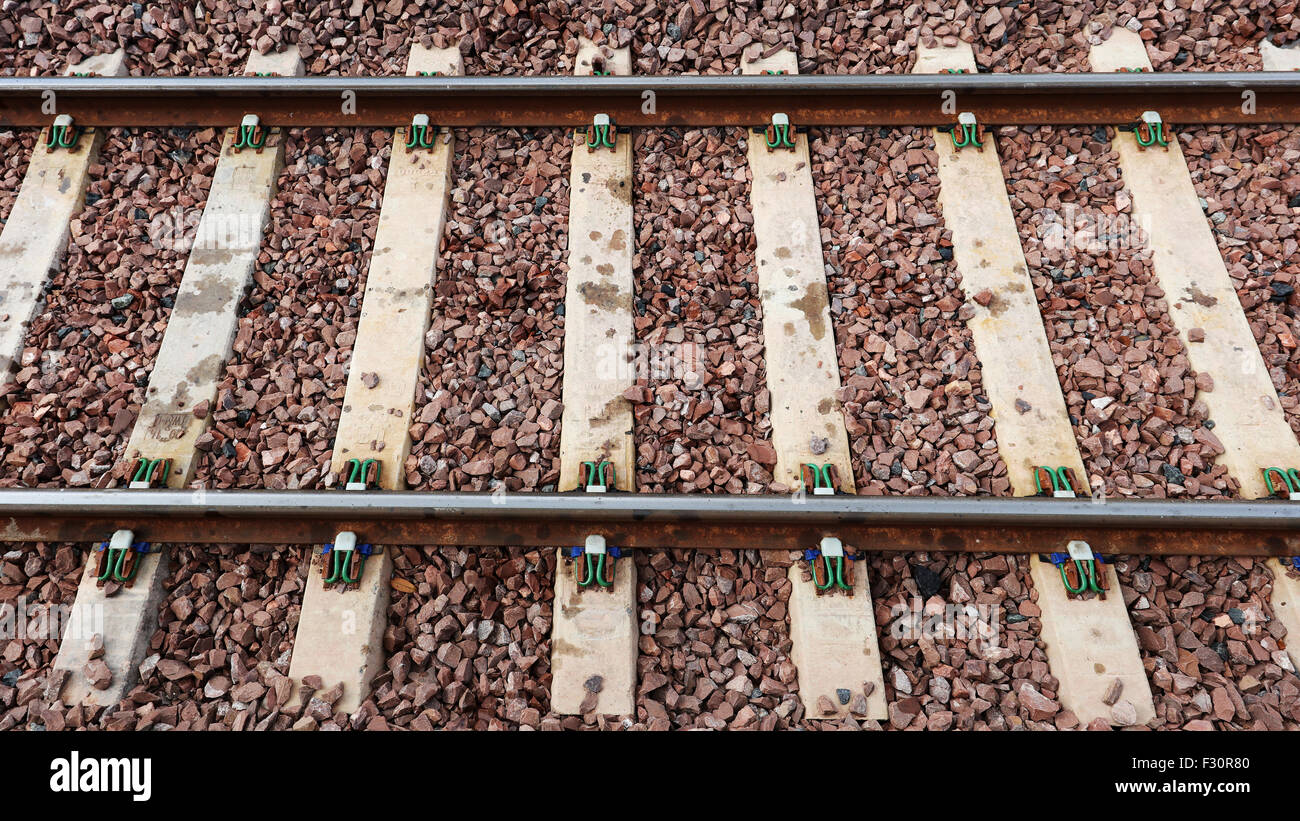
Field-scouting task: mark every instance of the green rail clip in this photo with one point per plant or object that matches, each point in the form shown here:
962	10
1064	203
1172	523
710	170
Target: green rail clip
1288	484
251	134
965	132
1150	131
779	134
832	568
64	134
594	564
820	480
1081	570
343	561
119	559
150	473
597	476
362	475
422	134
1059	481
602	133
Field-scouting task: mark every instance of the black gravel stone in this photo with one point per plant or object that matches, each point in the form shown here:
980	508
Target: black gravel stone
927	581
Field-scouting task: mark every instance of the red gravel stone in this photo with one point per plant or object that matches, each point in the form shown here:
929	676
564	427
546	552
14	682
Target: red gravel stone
714	641
1128	386
36	582
913	397
278	406
16	146
470	649
1210	642
1249	178
85	363
697	315
676	36
966	670
715	634
490	413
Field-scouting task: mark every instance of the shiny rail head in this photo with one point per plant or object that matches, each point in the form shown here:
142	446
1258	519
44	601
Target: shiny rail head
717	84
768	522
731	100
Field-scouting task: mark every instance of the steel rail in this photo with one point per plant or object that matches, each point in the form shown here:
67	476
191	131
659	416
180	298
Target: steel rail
679	100
1004	525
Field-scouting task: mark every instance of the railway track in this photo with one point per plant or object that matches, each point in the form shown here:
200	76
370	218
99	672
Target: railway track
810	388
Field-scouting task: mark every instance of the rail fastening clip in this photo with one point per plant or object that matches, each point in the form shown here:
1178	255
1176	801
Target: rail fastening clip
64	134
1060	480
1081	570
594	563
965	132
251	133
602	133
421	133
821	480
1288	484
362	474
832	568
597	476
1150	130
778	133
150	473
343	561
119	559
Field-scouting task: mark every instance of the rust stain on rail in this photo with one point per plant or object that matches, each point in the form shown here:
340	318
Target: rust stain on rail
671	109
686	534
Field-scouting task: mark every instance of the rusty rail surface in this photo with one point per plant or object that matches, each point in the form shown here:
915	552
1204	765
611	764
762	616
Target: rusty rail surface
682	100
1001	525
